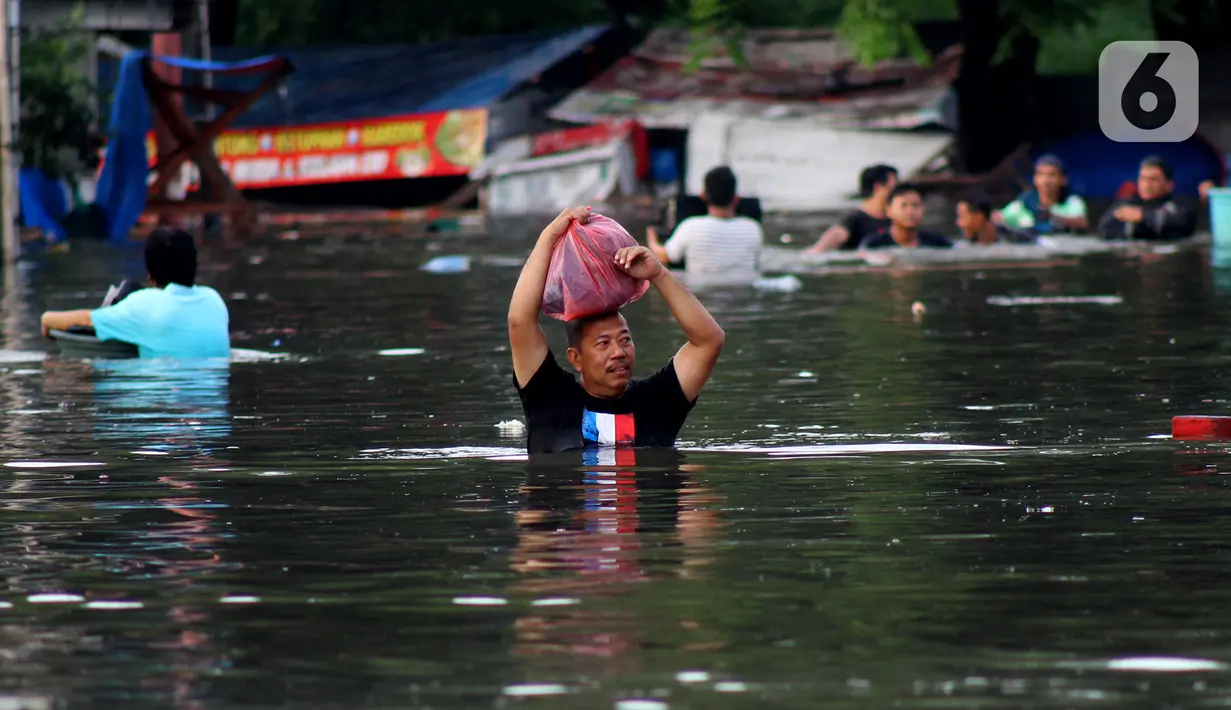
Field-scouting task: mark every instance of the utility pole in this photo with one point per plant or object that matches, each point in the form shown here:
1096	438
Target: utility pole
8	178
207	77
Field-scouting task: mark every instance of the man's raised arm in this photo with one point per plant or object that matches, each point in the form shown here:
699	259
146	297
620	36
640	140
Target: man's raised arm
526	339
694	363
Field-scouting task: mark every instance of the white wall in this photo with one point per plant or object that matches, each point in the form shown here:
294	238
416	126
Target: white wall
798	164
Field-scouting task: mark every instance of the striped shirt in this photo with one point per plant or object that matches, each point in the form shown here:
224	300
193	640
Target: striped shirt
716	245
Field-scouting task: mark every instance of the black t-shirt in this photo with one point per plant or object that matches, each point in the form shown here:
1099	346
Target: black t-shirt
884	240
859	225
561	415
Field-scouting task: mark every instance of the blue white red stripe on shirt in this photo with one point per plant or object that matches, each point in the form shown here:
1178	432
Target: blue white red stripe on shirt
608	429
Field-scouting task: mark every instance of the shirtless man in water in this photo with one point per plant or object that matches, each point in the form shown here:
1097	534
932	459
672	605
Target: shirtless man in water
607	407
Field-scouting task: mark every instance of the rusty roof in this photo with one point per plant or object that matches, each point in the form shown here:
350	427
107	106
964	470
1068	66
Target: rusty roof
788	73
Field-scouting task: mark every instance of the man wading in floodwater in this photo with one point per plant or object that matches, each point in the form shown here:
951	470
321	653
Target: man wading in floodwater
608	407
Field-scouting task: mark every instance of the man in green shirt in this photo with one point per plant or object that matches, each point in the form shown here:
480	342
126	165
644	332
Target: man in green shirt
1050	207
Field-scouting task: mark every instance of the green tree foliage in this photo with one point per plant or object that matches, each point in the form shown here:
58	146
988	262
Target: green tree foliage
879	29
1071	32
57	108
289	23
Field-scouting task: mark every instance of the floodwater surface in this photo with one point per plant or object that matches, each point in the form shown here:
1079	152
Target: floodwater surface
870	507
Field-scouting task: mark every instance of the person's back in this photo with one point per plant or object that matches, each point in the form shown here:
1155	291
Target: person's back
718	244
712	245
174	318
174	321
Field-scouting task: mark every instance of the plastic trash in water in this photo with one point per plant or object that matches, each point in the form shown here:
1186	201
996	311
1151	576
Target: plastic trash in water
511	427
447	264
1053	300
783	284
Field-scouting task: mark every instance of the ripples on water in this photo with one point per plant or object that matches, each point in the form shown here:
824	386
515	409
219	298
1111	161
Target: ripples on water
976	508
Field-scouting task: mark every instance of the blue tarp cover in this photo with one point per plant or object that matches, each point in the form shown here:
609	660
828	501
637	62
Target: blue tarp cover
373	81
44	203
1097	166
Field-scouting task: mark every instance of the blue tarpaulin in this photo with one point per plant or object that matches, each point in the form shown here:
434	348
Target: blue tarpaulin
356	82
44	201
122	185
1097	166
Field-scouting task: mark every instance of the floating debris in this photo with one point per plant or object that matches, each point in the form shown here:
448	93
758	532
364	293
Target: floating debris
1053	300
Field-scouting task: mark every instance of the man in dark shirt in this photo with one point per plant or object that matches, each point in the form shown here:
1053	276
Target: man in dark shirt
875	184
905	212
1155	213
607	407
974	223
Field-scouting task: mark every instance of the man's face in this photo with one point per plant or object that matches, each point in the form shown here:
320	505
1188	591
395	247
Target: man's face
1152	183
605	356
906	210
969	220
1048	179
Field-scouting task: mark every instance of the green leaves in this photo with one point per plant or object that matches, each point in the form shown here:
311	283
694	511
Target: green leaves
57	108
881	29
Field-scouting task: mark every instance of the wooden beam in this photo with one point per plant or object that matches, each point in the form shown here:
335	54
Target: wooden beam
226	97
211	130
195	142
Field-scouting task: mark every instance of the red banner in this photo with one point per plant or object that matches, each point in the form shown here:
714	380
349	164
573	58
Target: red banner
571	139
417	145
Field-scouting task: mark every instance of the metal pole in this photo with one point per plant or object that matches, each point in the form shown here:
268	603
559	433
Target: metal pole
14	39
207	77
8	219
15	68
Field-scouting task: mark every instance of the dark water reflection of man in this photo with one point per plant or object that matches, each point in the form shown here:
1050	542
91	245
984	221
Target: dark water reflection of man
168	405
594	525
178	408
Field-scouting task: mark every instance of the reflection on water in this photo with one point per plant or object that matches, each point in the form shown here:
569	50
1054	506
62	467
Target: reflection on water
976	504
586	536
165	405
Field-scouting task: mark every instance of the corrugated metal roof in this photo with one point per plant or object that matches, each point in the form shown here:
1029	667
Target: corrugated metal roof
370	81
345	83
791	73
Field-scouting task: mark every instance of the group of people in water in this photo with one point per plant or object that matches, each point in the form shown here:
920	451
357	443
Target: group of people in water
891	212
892	215
176	317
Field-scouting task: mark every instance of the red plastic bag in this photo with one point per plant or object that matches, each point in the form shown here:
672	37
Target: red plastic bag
583	279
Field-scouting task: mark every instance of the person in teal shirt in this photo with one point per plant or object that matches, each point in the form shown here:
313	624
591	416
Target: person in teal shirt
1050	207
175	318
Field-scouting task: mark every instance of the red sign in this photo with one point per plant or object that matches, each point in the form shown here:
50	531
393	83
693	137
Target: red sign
571	139
417	145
